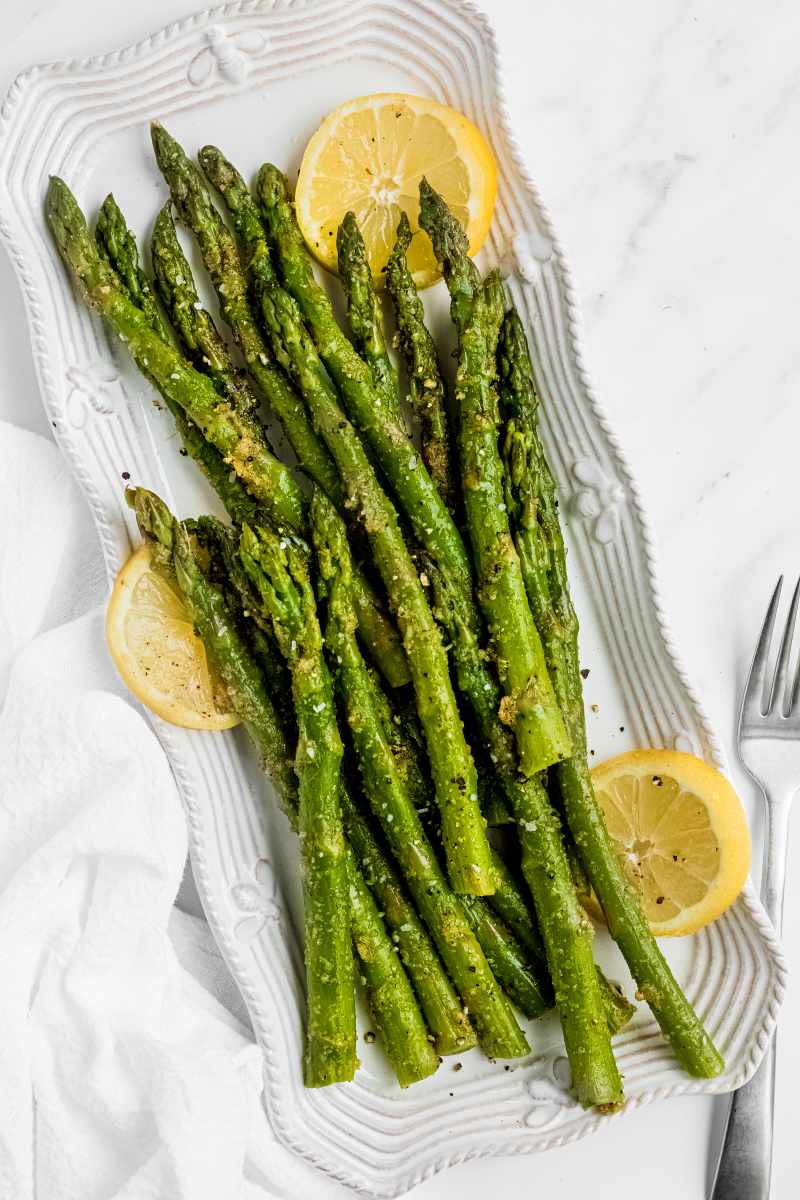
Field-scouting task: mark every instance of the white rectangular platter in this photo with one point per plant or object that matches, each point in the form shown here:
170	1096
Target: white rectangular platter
255	78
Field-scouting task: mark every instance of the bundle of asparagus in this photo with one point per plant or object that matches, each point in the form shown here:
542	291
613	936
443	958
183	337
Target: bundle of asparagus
445	572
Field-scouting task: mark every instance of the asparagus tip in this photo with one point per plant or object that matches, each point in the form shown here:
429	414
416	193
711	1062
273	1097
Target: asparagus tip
271	185
403	231
163	143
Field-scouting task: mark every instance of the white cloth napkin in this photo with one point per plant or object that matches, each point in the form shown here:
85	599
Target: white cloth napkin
127	1067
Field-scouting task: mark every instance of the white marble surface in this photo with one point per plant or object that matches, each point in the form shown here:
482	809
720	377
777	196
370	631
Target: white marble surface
664	139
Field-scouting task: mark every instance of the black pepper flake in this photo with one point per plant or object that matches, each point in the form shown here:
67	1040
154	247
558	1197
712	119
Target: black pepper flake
659	899
622	728
457	1066
369	1037
585	673
126	474
658	781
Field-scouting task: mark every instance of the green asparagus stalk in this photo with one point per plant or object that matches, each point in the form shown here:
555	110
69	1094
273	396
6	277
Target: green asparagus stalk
200	337
223	568
513	945
439	907
118	246
510	903
566	931
387	436
120	250
618	1009
202	342
453	770
205	346
418	349
391	1001
439	536
534	505
235	435
448	1023
217	247
365	314
506	958
530	704
524	956
279	572
390	997
218	631
451	248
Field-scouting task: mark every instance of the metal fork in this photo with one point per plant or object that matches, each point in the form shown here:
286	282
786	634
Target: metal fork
769	748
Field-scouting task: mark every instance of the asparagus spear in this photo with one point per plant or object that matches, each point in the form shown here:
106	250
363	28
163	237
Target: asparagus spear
118	245
439	907
279	572
219	634
194	206
534	505
451	248
518	961
389	996
510	902
440	536
391	999
201	340
413	487
428	396
515	939
449	1024
197	330
530	705
364	313
455	781
281	577
566	932
235	435
506	958
406	1041
119	248
225	571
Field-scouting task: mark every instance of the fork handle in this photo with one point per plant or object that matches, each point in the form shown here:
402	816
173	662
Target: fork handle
745	1165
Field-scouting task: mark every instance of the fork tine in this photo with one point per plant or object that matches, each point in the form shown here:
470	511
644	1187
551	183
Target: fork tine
755	699
781	692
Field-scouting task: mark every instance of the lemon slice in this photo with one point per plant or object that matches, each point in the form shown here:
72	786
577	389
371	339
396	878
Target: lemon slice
369	156
680	833
157	652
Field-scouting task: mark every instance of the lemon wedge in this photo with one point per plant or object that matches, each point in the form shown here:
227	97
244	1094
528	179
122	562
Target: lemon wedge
157	652
680	833
368	157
